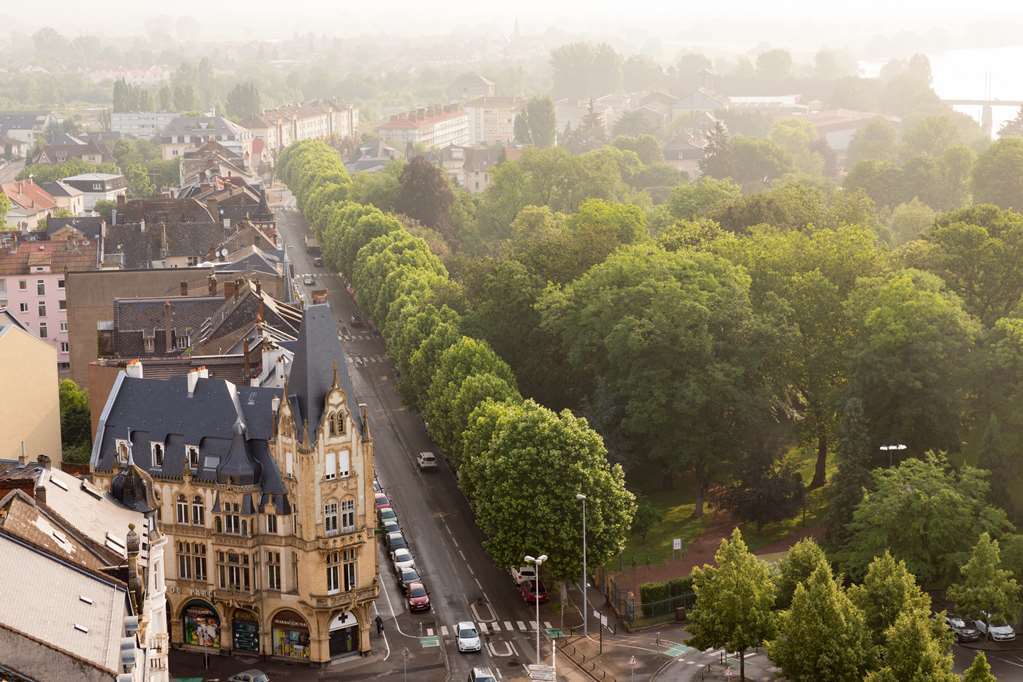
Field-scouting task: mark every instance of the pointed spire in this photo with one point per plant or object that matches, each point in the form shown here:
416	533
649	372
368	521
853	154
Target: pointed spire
333	385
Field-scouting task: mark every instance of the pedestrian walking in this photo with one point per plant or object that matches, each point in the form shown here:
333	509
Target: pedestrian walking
380	624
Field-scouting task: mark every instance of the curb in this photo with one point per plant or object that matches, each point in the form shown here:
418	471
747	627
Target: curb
988	646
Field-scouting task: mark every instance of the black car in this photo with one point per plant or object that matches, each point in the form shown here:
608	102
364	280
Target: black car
408	576
962	629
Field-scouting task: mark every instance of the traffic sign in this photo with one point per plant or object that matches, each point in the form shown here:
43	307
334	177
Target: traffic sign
427	642
554	633
676	544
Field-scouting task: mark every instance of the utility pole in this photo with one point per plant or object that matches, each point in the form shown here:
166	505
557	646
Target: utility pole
586	612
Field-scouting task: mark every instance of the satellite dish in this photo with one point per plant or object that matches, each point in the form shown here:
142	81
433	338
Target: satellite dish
223	253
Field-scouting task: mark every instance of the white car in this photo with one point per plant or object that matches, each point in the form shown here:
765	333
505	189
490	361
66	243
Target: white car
995	629
523	574
468	637
249	676
403	559
308	280
426	460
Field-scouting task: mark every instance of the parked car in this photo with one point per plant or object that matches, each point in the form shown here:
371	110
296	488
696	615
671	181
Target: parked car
382	500
481	674
995	629
427	460
533	591
418	597
396	541
403	559
963	631
377	488
407	576
386	513
389	526
468	637
308	280
523	573
249	676
318	261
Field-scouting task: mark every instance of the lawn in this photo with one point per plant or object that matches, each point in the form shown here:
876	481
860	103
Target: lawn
675	514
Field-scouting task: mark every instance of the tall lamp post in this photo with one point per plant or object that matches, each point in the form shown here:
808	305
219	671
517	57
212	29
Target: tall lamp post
892	448
537	561
586	611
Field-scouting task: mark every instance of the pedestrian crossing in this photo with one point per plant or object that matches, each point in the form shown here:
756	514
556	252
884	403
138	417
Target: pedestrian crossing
493	627
363	360
361	336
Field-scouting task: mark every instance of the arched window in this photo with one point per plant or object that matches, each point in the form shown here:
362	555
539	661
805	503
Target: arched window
157	454
330	518
198	511
337	423
348	516
182	509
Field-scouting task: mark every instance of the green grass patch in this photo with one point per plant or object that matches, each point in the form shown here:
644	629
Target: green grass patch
675	520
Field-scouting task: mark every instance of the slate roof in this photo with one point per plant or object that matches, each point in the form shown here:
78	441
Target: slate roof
141	248
201	126
318	354
249	259
230	424
56	188
89	226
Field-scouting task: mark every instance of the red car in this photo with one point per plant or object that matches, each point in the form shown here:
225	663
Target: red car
531	593
382	501
418	598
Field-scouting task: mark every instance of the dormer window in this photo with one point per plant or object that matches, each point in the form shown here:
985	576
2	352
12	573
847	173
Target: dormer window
192	454
157	454
121	447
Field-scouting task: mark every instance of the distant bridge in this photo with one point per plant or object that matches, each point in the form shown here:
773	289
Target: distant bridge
985	102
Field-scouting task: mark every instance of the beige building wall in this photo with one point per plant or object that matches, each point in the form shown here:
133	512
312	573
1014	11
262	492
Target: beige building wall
30	404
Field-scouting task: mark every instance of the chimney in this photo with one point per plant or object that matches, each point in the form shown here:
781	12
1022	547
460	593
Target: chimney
41	494
193	379
22	460
238	287
246	371
121	201
168	327
204	373
43	461
134	369
259	288
275	404
228	290
184	288
213	285
142	226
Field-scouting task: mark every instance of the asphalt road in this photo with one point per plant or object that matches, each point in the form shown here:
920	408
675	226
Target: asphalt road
464	583
11	169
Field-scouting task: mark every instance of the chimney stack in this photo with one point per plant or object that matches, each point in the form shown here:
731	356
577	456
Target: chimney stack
22	460
43	461
134	369
193	379
228	290
168	327
184	288
41	494
142	226
213	285
204	373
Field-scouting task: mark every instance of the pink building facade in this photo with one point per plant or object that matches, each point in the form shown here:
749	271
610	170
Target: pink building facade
33	287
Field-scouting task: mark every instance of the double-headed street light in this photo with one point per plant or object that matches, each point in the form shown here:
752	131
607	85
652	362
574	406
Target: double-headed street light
586	619
892	448
537	561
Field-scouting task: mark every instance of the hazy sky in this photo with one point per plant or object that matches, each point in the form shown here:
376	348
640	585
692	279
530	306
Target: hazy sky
265	18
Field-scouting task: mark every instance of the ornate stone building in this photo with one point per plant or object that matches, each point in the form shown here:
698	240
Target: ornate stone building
266	496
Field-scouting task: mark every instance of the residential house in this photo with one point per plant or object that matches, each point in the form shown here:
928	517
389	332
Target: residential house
98	187
89	152
266	497
100	558
187	133
774	104
19	131
141	124
685	153
372	158
30	420
76	228
65	196
33	287
316	120
91	294
837	127
492	120
471	86
30	203
209	161
471	167
569	114
432	128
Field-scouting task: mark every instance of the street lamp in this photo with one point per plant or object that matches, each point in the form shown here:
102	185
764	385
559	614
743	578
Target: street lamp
586	612
537	561
892	448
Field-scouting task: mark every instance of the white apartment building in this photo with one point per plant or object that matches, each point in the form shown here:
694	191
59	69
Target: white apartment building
430	128
492	120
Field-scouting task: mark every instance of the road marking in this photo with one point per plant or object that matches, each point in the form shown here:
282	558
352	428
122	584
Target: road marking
462	555
509	648
384	634
547	624
483	628
508	625
479	616
496	626
532	625
477	581
522	626
444	630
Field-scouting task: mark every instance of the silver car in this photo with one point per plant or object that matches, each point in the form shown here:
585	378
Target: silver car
403	559
995	629
468	637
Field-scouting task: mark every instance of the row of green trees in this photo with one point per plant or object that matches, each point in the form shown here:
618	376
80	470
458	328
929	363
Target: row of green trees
519	463
815	628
